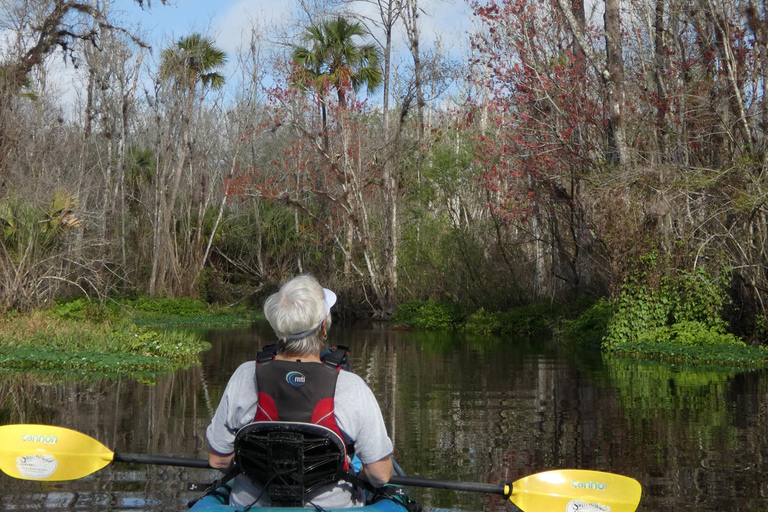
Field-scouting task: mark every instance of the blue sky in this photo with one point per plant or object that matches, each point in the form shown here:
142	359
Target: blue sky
184	16
226	21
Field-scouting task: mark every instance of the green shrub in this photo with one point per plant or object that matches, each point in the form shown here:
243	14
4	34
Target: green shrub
429	315
589	328
683	309
637	309
85	310
698	297
482	322
530	319
170	307
689	333
521	321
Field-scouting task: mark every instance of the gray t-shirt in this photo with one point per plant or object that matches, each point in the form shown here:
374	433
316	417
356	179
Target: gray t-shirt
357	414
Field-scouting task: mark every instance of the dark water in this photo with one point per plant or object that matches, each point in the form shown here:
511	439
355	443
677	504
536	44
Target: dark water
458	408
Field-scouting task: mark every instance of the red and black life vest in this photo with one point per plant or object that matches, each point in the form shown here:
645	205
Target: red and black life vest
294	445
292	391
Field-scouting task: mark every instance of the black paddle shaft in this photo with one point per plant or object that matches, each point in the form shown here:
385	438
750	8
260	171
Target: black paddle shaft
140	458
415	481
412	481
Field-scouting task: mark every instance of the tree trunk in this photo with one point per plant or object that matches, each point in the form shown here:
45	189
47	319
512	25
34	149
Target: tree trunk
659	68
164	258
411	20
618	152
612	73
389	168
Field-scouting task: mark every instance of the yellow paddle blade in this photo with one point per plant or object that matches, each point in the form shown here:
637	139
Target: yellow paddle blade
42	452
572	490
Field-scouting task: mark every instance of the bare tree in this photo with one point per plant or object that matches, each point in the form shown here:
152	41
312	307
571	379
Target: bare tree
39	29
189	69
410	12
612	71
382	28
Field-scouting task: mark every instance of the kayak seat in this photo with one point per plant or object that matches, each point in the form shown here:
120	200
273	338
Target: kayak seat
290	459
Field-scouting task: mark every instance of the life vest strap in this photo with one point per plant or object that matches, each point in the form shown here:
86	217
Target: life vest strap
267	353
336	357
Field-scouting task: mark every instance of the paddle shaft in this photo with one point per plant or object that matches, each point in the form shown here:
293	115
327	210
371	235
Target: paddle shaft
415	481
140	458
412	481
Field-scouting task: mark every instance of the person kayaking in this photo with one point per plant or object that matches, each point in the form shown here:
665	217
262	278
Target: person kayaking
295	386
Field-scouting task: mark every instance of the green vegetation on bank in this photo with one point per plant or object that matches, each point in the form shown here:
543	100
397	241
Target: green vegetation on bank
128	337
154	312
679	320
188	312
522	321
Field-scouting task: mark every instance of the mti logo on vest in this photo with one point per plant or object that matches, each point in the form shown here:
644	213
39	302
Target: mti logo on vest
295	379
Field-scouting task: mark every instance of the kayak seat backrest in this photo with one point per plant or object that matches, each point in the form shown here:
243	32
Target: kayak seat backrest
289	459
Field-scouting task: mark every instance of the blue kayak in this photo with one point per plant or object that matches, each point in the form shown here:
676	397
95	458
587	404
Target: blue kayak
394	499
217	502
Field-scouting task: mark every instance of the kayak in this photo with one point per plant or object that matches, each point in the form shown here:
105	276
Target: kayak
394	499
217	502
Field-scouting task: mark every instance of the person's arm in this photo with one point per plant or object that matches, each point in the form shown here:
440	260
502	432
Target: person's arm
378	473
219	461
237	403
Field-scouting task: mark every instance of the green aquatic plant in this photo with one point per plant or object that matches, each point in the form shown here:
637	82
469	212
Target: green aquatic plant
428	315
725	355
589	328
521	321
684	309
44	340
36	358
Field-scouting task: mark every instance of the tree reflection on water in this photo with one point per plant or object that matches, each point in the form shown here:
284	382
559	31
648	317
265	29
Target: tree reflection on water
458	408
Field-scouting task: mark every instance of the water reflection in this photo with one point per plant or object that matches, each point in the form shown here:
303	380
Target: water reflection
472	409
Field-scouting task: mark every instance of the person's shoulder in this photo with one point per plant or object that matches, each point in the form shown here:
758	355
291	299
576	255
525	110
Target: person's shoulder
245	370
353	396
352	383
248	366
350	378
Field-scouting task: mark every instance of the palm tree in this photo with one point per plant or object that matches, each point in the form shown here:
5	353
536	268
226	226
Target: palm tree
333	57
193	61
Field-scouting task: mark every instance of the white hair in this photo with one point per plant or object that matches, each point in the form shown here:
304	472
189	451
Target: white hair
296	313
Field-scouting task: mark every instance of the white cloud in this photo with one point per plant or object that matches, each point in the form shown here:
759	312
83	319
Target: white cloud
447	19
233	26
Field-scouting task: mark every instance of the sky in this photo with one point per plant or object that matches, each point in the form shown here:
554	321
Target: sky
227	18
227	21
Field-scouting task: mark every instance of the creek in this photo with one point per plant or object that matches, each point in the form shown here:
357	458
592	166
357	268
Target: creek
457	407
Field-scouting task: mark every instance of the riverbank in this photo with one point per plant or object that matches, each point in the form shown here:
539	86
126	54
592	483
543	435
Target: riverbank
155	335
599	325
124	337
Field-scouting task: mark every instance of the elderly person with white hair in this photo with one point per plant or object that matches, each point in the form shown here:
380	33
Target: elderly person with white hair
295	386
